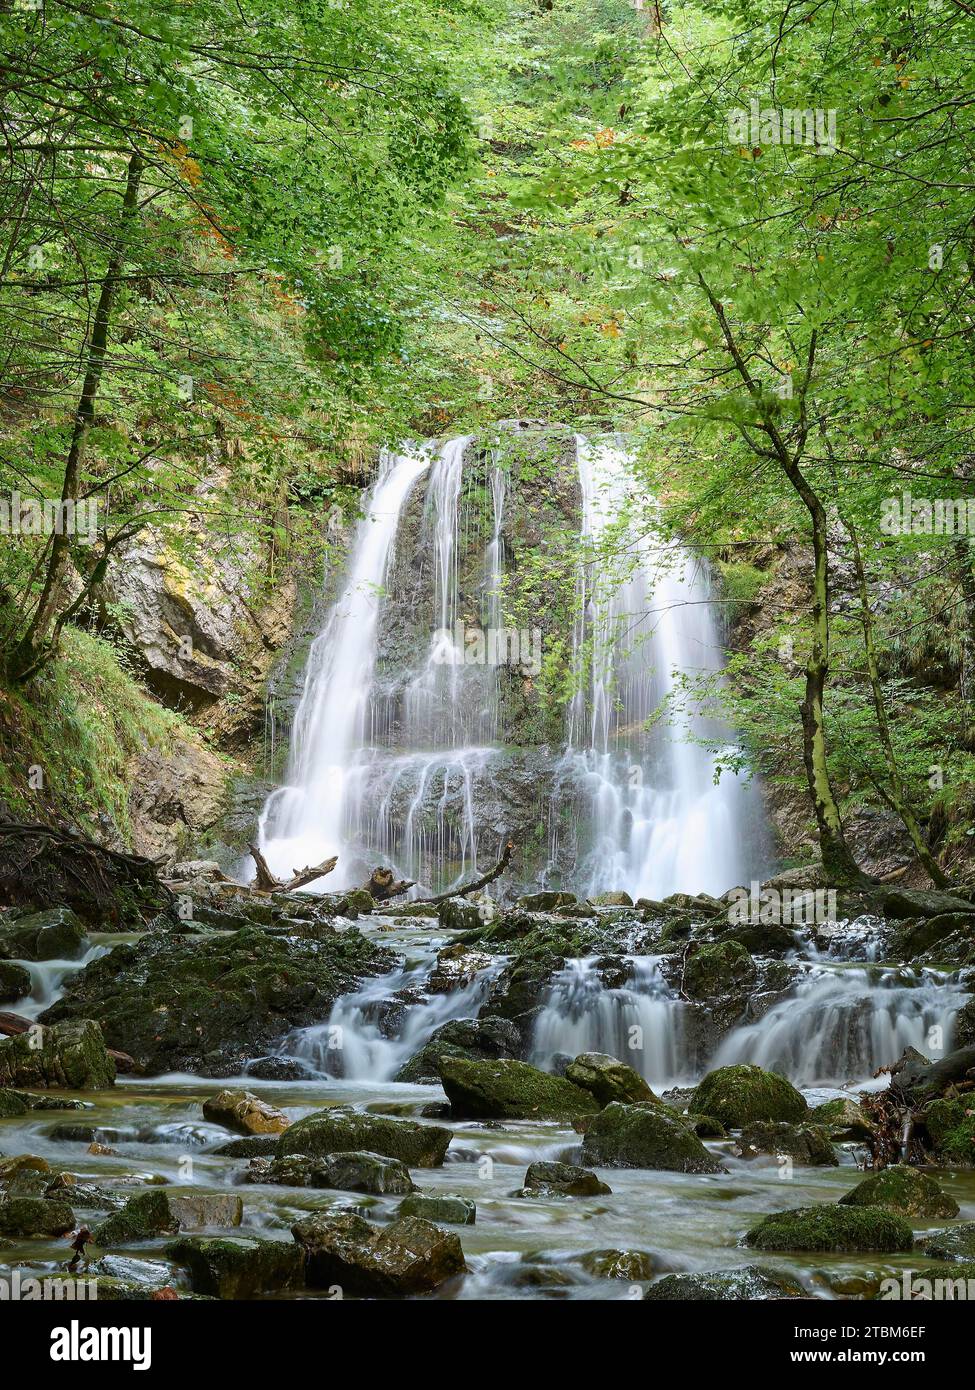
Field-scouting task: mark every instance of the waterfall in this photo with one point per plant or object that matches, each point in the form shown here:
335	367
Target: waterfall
303	822
842	1024
661	823
639	1021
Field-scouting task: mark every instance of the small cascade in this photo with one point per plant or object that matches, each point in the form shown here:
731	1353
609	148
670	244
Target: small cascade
48	978
639	1021
371	1033
842	1023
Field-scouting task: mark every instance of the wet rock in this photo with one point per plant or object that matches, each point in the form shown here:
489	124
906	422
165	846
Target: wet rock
35	1216
160	1212
546	902
238	1266
411	1256
902	1189
441	1210
739	1094
244	1113
965	1024
209	1005
15	982
355	1171
254	1146
718	969
21	1163
56	934
919	902
612	900
844	1118
956	1243
71	1054
561	1180
809	1145
510	1090
644	1136
831	1227
341	1131
761	938
724	1285
457	966
607	1079
475	1039
631	1265
12	1103
278	1069
456	914
927	933
704	1126
950	1126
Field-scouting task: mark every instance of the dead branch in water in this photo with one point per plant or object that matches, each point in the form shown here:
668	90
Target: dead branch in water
482	882
266	882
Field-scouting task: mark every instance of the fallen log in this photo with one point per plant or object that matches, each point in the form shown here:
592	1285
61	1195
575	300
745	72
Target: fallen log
382	885
12	1025
920	1080
481	882
266	882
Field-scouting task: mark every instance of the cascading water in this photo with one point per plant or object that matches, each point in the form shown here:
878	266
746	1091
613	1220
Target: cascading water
639	1021
661	823
842	1024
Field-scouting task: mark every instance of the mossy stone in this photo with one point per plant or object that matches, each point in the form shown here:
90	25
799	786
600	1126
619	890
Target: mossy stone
737	1095
828	1226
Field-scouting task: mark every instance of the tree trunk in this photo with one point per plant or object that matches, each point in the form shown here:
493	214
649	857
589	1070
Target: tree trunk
29	653
965	572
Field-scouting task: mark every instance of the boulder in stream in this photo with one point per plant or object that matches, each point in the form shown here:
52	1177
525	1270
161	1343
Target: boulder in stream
808	1145
353	1171
341	1131
902	1188
718	968
55	934
161	1212
548	1179
410	1256
70	1054
645	1136
475	1039
737	1095
950	1126
510	1090
829	1227
724	1286
15	982
244	1113
607	1079
844	1118
35	1217
238	1266
956	1243
442	1209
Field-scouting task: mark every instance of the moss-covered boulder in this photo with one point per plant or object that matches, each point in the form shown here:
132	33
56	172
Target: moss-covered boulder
445	1210
475	1039
718	968
618	899
457	914
546	901
238	1266
244	1113
210	1004
644	1136
71	1054
352	1171
724	1286
831	1227
342	1131
956	1243
34	1216
844	1118
411	1256
11	1104
739	1094
951	1129
548	1179
15	982
161	1211
55	934
902	1189
253	1146
608	1079
808	1145
510	1090
631	1265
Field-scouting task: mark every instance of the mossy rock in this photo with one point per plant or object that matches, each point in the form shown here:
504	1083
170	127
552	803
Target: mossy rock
510	1090
644	1136
830	1227
808	1145
15	982
72	1055
35	1217
704	1126
737	1095
253	1146
345	1171
956	1243
11	1104
55	934
724	1286
159	1212
546	901
547	1179
344	1131
238	1266
631	1265
844	1118
608	1079
476	1039
456	914
612	900
902	1189
718	969
410	1256
442	1210
951	1128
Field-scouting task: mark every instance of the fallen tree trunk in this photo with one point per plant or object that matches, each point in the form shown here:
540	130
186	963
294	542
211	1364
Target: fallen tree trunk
382	887
266	882
481	882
